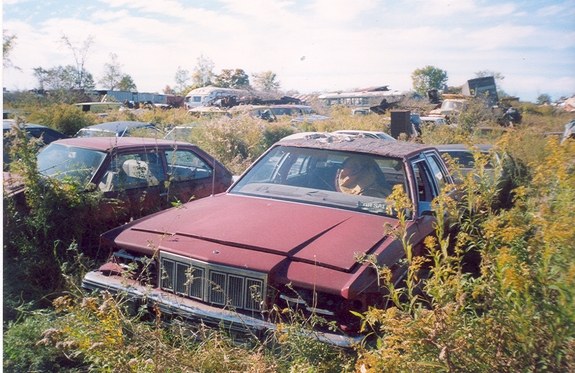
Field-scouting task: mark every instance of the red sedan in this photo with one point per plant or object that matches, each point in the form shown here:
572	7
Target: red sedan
136	176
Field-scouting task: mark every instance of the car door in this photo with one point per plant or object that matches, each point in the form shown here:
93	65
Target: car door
190	176
133	184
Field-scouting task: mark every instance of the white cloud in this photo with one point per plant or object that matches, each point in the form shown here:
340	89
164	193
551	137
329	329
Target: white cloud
501	37
345	44
336	11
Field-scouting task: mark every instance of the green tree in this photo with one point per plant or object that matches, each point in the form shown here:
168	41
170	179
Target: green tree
62	78
543	98
427	78
127	83
203	72
266	81
232	78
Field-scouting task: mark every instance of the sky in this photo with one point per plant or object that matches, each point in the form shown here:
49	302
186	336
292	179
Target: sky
311	46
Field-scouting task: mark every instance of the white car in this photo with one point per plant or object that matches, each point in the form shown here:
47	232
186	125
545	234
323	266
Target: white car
433	120
369	134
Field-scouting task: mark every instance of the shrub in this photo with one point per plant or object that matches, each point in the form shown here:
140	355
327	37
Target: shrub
275	132
23	353
236	142
518	315
42	227
65	118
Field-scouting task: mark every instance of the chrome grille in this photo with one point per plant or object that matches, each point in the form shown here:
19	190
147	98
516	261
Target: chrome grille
215	284
236	290
217	288
181	276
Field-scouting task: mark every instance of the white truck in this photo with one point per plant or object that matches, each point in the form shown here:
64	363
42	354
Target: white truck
453	104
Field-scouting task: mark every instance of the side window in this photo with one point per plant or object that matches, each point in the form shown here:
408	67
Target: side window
393	171
185	165
130	171
425	190
437	171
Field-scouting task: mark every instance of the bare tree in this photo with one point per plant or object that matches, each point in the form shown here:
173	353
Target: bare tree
112	73
182	78
7	46
203	72
483	73
80	55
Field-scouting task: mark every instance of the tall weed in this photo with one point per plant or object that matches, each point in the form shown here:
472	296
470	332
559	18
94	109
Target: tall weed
42	227
519	315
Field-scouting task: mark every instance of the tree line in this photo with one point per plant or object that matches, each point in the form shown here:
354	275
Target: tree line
76	77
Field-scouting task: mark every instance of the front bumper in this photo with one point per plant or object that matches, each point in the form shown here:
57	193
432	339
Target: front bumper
194	311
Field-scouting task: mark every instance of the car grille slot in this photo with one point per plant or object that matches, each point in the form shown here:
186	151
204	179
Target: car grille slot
217	288
236	288
182	272
197	283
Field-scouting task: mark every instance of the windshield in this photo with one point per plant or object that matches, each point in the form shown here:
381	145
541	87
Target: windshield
353	181
69	163
452	105
85	132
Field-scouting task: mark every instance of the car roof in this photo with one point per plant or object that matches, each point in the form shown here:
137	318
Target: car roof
119	126
8	123
288	106
107	143
360	132
432	117
462	147
396	149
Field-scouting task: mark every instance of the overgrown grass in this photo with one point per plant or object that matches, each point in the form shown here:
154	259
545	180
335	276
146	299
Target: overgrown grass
516	313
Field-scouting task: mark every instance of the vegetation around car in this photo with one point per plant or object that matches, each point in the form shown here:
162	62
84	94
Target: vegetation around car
495	170
134	176
516	316
44	134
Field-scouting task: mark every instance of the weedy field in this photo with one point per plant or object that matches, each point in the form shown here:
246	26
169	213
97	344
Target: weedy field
515	312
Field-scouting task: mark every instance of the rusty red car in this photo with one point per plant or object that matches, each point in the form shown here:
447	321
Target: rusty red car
287	233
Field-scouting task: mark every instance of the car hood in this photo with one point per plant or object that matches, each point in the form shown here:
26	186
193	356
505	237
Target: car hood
257	233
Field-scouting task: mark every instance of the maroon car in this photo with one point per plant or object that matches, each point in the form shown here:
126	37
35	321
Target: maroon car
287	233
136	176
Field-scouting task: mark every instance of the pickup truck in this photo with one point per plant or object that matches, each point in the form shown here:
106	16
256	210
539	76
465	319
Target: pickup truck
287	233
